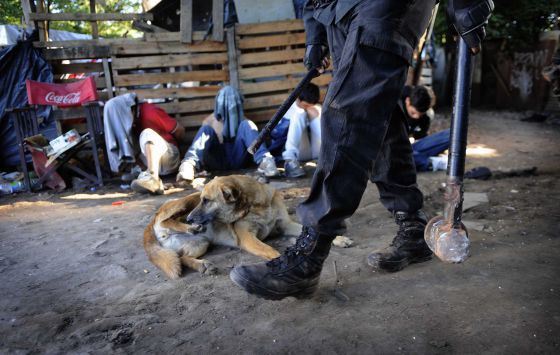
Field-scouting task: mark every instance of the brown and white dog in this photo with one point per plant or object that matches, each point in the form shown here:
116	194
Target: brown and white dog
235	211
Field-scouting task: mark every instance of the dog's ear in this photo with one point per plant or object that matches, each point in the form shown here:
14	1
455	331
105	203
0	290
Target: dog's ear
230	193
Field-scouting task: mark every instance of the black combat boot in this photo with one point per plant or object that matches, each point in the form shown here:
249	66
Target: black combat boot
408	246
294	273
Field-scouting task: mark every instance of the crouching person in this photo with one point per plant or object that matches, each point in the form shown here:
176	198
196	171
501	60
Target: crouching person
158	140
303	141
221	142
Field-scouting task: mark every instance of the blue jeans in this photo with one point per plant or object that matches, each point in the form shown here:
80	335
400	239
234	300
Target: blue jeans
429	146
208	153
278	137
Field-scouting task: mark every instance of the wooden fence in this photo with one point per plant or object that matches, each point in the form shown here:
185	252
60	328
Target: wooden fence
264	61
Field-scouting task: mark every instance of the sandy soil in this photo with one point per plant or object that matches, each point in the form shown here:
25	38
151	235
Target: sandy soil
75	278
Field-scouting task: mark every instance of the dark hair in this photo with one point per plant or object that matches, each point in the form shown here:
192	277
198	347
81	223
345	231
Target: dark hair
310	93
420	98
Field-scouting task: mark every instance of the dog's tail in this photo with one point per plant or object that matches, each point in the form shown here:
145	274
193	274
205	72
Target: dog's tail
165	259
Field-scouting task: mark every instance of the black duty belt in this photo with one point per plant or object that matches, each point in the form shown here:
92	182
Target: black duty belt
322	3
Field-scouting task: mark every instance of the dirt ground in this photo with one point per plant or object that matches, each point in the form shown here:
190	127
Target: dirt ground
75	278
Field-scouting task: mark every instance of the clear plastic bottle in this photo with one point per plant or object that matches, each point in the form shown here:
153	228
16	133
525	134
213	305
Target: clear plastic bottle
11	187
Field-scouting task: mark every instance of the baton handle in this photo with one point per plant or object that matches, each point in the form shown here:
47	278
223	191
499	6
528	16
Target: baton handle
279	114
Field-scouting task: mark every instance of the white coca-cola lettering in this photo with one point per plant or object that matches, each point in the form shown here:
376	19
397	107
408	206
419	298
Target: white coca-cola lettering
70	98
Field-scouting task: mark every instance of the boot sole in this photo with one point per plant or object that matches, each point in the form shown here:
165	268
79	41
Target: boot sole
399	265
270	295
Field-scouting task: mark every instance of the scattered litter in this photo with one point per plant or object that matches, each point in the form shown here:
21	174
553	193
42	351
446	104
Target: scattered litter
342	242
118	203
510	208
97	220
473	199
514	191
475	225
146	271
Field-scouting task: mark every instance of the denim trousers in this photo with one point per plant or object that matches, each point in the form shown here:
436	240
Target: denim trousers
208	153
364	134
429	146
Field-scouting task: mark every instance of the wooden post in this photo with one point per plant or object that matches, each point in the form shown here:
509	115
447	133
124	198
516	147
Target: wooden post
232	58
42	26
94	29
186	19
26	7
107	74
218	20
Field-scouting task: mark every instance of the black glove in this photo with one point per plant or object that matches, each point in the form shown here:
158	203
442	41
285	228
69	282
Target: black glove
470	17
314	54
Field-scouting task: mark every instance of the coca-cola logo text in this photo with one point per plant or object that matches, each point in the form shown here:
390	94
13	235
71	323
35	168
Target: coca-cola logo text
68	99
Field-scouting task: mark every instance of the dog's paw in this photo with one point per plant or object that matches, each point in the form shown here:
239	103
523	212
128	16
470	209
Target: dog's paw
342	242
207	268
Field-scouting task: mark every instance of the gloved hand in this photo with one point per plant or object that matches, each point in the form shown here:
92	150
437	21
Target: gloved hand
316	56
470	17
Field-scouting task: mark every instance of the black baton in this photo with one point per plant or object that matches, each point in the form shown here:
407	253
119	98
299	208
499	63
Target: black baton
281	111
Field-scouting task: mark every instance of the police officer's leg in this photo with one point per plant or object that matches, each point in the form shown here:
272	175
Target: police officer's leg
395	177
356	114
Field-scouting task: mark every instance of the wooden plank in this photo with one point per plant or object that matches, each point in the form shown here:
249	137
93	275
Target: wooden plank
232	58
59	68
272	41
172	60
198	105
271	70
269	27
192	122
178	77
172	36
272	56
249	88
90	17
145	27
69	113
87	43
167	48
260	115
94	29
264	101
180	93
186	21
76	53
218	20
107	77
41	24
99	81
26	8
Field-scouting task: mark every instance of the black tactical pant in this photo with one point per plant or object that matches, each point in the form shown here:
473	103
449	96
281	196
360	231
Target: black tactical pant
364	135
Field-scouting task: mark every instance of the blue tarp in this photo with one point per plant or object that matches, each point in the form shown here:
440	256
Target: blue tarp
18	63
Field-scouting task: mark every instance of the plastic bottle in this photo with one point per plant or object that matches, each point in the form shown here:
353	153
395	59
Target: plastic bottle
11	187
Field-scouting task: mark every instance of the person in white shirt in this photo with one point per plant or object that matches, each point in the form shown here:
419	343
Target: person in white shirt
304	133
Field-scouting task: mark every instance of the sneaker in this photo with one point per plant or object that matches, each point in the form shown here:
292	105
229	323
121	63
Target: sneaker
146	183
187	171
132	174
267	167
408	246
293	169
295	273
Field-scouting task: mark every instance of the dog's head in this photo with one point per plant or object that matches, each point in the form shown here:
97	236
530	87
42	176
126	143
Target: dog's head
221	200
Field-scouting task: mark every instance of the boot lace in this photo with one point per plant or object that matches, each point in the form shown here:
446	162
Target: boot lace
406	233
303	242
